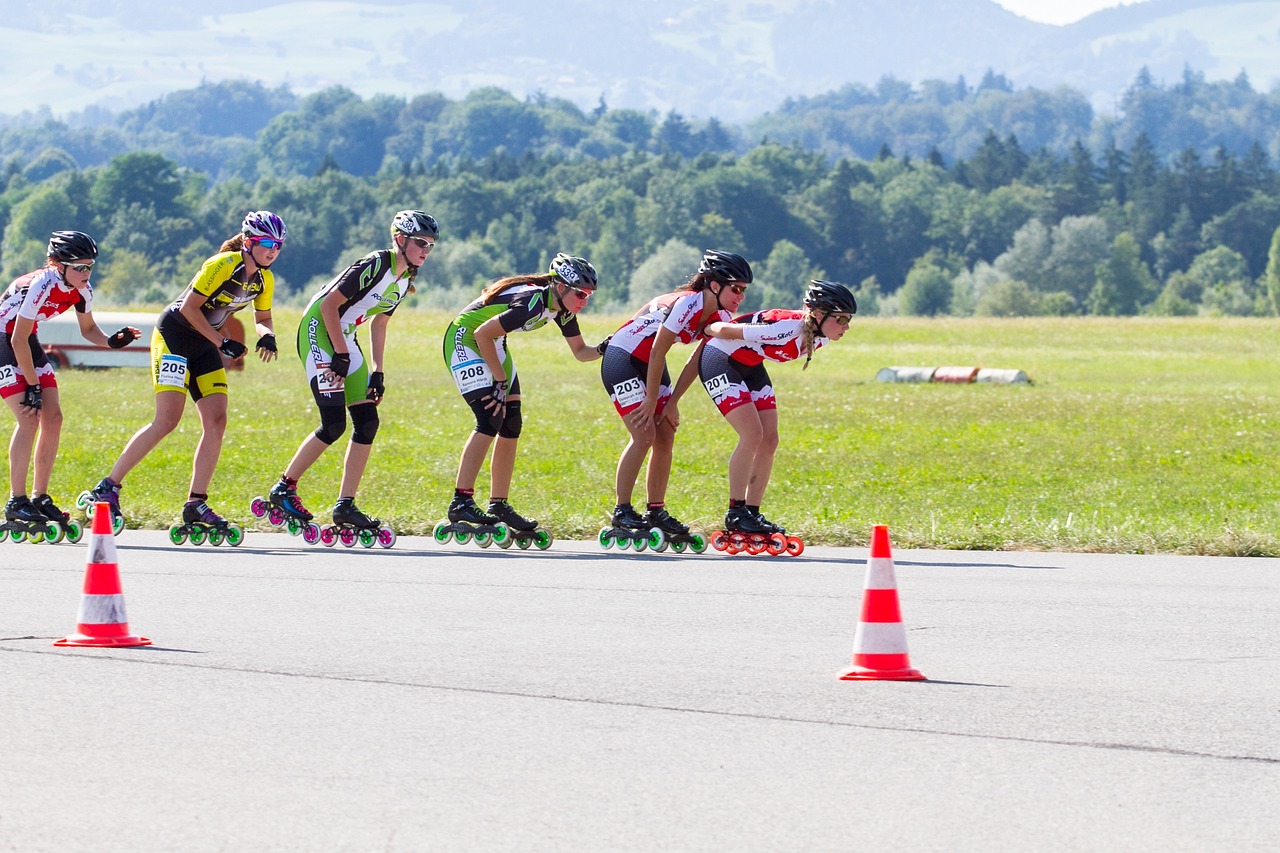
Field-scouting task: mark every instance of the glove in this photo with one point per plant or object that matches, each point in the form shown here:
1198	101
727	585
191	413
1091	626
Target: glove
122	338
232	349
266	342
31	397
340	364
603	345
377	387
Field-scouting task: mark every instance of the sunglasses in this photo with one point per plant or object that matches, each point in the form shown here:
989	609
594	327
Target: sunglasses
841	319
737	288
581	294
426	245
268	243
81	267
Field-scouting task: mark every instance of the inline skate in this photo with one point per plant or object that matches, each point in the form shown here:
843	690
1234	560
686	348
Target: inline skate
747	531
201	524
675	533
351	525
524	531
630	529
61	526
467	520
23	522
107	490
282	508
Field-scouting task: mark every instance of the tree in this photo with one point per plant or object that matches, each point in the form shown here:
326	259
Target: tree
1080	243
663	271
1123	282
1008	297
140	177
1272	276
926	292
784	275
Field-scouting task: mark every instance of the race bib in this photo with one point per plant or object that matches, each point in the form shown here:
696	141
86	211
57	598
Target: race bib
472	376
173	371
328	382
629	393
718	387
8	376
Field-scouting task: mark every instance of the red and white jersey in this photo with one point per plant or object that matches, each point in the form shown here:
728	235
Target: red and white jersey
40	295
679	312
776	334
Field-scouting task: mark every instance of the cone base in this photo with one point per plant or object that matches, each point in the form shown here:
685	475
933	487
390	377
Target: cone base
125	641
863	674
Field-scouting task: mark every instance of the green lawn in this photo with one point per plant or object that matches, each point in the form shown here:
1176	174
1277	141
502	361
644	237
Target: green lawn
1138	435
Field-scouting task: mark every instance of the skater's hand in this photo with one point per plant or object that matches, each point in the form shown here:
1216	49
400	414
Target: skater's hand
603	345
340	364
496	404
124	337
641	418
377	387
266	348
671	414
31	400
232	349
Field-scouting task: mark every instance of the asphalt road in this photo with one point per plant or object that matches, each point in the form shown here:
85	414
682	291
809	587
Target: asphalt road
303	698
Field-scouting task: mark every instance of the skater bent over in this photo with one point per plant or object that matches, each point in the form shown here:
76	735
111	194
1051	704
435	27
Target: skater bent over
475	350
732	370
341	379
27	381
186	358
634	372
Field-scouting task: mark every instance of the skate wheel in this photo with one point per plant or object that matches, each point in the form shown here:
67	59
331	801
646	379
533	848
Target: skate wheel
117	524
4	533
258	507
84	500
275	515
502	536
367	538
677	547
74	532
504	544
662	545
483	539
311	533
756	544
441	533
698	543
623	543
292	525
328	536
795	547
523	543
53	533
17	536
177	534
543	539
719	540
347	537
776	545
35	537
234	535
386	537
657	540
462	537
216	536
197	536
605	538
640	542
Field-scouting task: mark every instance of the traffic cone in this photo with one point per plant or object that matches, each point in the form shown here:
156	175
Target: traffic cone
880	645
102	621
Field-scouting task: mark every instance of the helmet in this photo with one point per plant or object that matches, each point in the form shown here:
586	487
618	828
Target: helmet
725	266
574	271
71	246
264	223
830	297
415	223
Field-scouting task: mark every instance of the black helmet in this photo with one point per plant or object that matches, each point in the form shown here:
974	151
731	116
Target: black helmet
725	266
574	271
415	223
72	246
830	297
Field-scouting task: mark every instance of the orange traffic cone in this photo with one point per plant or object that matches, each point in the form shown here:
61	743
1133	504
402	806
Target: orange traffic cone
880	645
102	621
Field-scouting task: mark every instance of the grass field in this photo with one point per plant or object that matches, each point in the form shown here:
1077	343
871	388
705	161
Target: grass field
1137	436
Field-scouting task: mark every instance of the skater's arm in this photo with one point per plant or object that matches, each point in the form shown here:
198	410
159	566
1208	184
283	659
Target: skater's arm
266	327
329	307
581	350
190	311
486	342
726	331
688	374
92	332
22	327
377	341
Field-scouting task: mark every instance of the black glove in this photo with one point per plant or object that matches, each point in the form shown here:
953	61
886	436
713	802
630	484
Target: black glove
340	364
232	349
266	342
31	397
377	387
603	345
122	338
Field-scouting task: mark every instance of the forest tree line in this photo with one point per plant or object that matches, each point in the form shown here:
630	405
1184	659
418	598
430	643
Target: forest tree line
942	198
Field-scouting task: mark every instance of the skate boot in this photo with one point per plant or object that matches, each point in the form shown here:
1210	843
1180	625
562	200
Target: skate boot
776	528
524	531
283	508
675	533
107	490
201	524
352	525
748	531
63	527
22	521
629	529
467	520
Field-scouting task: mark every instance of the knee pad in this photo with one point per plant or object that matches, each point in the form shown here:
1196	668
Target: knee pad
511	425
485	423
364	423
333	423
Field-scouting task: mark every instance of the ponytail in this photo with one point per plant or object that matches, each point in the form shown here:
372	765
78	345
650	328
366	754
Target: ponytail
503	284
807	335
232	244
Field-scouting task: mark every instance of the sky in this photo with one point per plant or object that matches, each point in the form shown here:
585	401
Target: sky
1060	11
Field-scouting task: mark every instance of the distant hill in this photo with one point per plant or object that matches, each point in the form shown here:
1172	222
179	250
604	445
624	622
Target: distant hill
733	59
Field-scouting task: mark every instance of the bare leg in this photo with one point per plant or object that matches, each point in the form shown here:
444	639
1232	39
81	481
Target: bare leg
213	425
47	441
631	460
169	406
762	466
659	473
308	452
745	420
24	437
502	466
353	468
473	454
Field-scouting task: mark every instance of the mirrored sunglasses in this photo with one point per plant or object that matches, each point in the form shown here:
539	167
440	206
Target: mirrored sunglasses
841	319
737	288
85	267
581	294
268	243
427	245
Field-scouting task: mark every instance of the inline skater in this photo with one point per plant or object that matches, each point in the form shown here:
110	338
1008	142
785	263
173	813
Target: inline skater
475	350
732	371
187	349
634	372
341	379
27	380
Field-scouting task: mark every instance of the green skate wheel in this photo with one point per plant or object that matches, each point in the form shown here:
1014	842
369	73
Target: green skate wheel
657	540
542	539
699	543
197	536
177	535
292	525
4	533
235	535
117	524
367	538
677	547
503	536
605	538
484	540
640	543
442	534
523	543
506	542
74	532
215	536
17	536
462	537
53	533
84	500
